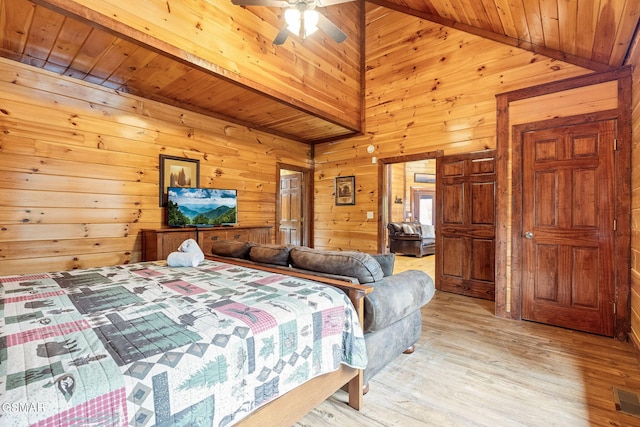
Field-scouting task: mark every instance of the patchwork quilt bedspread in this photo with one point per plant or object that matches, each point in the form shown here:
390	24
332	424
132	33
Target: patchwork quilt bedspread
144	344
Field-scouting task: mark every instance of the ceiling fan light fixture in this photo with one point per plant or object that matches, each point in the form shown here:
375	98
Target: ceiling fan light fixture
310	21
301	21
301	18
293	18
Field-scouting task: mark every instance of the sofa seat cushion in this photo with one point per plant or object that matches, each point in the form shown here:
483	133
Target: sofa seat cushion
395	297
360	265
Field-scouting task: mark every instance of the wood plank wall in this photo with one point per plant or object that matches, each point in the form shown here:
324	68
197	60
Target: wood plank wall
79	169
634	59
427	87
398	188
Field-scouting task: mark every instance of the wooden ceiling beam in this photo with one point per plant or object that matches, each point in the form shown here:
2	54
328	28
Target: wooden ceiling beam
75	10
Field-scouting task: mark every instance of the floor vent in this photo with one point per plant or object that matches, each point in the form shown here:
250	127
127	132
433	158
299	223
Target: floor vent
627	402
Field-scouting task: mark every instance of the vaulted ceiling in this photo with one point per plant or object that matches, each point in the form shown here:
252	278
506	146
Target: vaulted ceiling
65	38
595	34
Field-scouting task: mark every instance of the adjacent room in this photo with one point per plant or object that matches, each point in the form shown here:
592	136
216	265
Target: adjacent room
319	212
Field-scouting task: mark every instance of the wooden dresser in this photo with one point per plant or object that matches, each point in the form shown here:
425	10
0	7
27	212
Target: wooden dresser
159	243
260	235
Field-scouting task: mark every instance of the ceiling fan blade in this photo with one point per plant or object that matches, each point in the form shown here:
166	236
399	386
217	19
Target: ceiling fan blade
282	36
324	3
268	3
331	29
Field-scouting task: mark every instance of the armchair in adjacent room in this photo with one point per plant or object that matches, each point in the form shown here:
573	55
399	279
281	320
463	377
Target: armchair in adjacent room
411	238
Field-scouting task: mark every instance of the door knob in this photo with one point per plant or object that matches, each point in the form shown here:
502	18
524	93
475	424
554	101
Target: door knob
528	235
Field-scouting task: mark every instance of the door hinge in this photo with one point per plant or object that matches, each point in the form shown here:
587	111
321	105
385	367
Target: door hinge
615	308
615	144
615	224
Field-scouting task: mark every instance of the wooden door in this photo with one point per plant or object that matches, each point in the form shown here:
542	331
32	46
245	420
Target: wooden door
465	234
290	224
568	227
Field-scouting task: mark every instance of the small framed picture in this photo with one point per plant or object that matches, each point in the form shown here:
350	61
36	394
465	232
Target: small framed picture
177	172
424	177
345	190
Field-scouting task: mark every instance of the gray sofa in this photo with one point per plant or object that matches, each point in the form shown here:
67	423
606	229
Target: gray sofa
392	319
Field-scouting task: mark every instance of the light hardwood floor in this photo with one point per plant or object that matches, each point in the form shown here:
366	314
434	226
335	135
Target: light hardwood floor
473	369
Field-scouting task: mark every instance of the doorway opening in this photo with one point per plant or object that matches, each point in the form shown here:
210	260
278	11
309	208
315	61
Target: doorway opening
409	190
407	194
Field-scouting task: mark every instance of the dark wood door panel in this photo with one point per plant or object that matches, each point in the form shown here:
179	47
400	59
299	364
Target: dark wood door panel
452	203
483	260
585	269
470	288
546	286
452	256
466	224
483	166
473	231
483	209
453	168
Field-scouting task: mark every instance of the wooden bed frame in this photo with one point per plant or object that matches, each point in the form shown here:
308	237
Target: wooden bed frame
289	408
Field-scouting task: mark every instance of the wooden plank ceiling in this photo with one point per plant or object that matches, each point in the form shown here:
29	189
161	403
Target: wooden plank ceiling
595	34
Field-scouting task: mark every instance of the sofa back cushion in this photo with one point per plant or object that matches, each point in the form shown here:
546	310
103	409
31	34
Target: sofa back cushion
270	254
411	228
231	248
387	262
360	265
394	227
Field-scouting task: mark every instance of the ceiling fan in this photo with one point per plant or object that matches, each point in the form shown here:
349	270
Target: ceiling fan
301	17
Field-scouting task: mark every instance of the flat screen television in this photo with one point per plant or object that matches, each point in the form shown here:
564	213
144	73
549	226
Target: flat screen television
201	207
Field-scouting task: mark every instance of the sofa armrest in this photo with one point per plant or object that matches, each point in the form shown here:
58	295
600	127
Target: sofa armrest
394	297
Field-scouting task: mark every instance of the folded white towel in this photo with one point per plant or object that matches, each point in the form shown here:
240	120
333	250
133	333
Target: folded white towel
182	259
189	254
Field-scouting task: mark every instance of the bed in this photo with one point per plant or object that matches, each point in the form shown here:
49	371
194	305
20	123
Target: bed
144	344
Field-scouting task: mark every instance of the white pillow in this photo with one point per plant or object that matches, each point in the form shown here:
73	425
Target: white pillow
408	229
428	231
